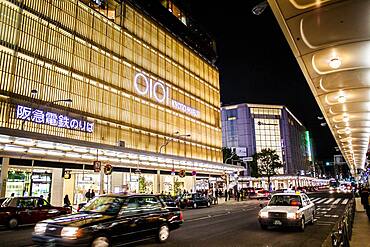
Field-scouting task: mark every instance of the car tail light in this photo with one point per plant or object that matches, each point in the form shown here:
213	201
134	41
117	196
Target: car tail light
181	216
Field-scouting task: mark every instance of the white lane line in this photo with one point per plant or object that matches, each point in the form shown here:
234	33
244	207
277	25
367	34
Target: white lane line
321	200
314	200
345	201
329	201
337	201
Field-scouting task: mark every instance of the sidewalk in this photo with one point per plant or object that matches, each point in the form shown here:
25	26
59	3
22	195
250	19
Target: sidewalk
360	230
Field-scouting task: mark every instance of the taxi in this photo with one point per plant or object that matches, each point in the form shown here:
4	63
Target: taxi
289	209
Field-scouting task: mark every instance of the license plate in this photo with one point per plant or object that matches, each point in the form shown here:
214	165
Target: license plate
277	222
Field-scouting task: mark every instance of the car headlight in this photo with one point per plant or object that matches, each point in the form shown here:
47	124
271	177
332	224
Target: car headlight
291	216
264	214
40	228
70	232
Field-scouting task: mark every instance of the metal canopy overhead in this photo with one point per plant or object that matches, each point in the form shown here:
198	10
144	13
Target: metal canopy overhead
331	42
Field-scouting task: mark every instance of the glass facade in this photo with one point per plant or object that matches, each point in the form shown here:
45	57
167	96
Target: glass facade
267	129
91	54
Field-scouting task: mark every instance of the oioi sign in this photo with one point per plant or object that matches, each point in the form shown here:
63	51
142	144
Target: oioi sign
158	91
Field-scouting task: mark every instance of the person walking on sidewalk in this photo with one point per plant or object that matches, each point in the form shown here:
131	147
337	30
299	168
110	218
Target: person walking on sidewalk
225	195
364	197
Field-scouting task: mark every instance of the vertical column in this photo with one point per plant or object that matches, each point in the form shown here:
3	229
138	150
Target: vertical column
101	180
57	184
4	176
158	180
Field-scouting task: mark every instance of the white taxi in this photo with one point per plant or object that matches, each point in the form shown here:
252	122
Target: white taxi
291	209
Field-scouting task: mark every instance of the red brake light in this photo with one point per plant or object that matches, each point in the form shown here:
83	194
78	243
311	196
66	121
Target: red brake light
181	216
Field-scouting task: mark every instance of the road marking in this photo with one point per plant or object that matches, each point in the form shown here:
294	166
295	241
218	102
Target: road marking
321	200
337	201
345	201
324	224
329	201
316	199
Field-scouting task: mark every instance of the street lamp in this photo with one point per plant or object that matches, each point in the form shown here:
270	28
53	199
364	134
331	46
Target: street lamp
176	136
33	95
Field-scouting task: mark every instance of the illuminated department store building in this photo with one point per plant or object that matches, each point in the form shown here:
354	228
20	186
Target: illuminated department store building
85	81
253	127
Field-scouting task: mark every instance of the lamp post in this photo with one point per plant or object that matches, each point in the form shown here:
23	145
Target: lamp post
34	92
175	136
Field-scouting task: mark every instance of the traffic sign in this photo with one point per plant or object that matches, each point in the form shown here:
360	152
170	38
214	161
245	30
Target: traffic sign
247	159
97	166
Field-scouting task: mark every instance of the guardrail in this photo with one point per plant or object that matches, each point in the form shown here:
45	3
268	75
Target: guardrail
342	230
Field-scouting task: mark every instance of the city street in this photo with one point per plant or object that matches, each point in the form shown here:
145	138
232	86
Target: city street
231	224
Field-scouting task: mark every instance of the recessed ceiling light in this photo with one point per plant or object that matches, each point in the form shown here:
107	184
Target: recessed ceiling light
335	63
341	98
345	118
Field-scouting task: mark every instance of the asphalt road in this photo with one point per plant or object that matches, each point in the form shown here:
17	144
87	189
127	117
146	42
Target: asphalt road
230	225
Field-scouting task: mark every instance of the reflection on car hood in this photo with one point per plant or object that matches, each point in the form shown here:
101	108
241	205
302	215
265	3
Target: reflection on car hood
79	219
282	209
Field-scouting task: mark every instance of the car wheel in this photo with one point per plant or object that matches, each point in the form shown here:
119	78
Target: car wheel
263	227
163	234
208	204
13	223
302	225
100	241
195	205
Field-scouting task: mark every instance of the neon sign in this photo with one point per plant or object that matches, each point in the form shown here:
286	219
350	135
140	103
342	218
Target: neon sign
53	119
158	91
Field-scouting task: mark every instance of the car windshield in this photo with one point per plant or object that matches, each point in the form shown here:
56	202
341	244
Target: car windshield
103	204
285	200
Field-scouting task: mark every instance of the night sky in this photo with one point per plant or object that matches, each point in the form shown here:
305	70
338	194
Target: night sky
256	64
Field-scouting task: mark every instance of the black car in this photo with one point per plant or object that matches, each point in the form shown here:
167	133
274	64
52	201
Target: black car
193	200
168	200
110	220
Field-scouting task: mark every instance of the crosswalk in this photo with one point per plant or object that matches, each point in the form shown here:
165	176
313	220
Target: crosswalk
327	209
330	201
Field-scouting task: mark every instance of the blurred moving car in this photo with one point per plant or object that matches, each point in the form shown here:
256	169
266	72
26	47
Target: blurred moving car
16	211
168	200
260	194
193	200
110	220
290	209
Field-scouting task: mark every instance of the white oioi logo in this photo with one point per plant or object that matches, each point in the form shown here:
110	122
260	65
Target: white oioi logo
161	93
157	90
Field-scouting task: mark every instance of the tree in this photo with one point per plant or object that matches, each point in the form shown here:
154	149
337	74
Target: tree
142	184
266	163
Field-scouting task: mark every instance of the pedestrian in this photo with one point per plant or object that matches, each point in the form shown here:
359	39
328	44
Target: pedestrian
92	194
364	197
67	202
40	201
88	195
225	195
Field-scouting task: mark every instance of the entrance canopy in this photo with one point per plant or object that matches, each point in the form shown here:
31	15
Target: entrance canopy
28	145
331	42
